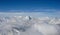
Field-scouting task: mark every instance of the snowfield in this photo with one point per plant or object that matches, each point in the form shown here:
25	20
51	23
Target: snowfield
27	25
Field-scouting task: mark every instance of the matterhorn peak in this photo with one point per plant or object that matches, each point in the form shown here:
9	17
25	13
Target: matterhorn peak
28	17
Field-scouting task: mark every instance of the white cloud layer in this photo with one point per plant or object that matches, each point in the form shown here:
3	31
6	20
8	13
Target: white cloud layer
37	14
28	25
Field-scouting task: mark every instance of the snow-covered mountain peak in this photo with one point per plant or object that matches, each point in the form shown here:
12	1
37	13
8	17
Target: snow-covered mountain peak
28	18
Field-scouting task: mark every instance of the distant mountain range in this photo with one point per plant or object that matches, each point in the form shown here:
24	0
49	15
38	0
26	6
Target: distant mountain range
48	20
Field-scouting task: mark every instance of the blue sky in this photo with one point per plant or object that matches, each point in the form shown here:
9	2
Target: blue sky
29	5
51	7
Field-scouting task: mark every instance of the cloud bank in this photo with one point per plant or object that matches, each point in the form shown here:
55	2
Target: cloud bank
27	25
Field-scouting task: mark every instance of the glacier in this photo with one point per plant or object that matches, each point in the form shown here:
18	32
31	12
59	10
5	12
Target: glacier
29	25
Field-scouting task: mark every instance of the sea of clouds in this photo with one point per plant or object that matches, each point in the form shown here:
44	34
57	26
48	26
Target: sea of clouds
28	25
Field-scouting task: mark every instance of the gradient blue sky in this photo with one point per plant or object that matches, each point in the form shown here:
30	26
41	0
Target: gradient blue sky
29	5
48	7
